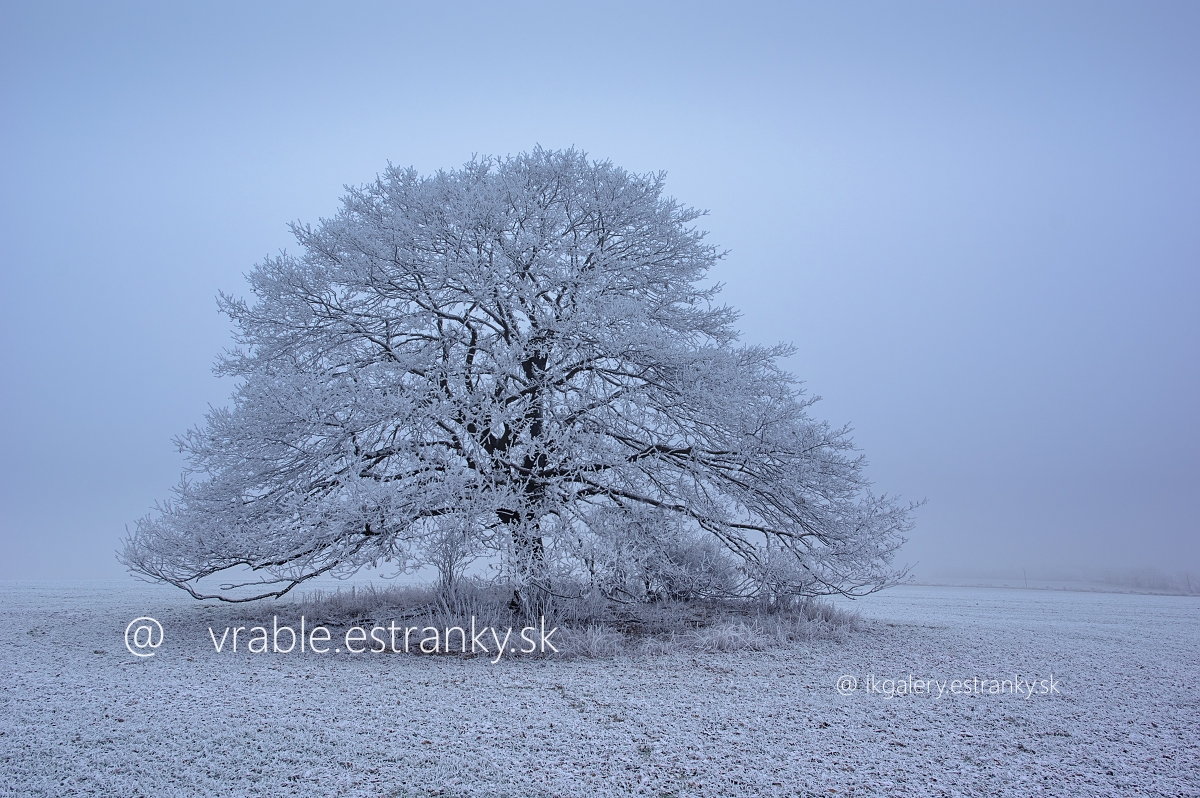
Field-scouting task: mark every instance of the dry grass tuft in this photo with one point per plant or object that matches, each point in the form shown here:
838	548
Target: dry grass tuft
588	627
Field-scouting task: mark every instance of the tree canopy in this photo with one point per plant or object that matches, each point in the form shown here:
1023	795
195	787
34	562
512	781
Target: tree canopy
522	351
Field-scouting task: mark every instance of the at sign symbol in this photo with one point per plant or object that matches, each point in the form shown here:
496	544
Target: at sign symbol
142	636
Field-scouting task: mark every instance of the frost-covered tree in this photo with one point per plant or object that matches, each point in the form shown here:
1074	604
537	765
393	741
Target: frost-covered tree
523	351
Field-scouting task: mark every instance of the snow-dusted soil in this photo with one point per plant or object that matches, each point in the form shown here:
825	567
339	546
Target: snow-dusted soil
80	715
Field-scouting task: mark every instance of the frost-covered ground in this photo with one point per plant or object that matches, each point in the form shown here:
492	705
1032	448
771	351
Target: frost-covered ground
80	715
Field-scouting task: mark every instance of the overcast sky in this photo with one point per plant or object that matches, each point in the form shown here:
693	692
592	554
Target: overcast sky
980	224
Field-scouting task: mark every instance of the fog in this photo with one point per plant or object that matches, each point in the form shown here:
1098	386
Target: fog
978	224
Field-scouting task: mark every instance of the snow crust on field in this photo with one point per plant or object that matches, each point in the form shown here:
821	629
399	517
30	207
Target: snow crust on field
79	715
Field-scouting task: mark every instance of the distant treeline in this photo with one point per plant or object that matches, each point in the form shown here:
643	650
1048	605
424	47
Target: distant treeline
1138	580
1152	579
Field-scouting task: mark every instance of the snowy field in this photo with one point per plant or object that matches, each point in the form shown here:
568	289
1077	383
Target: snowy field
79	715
